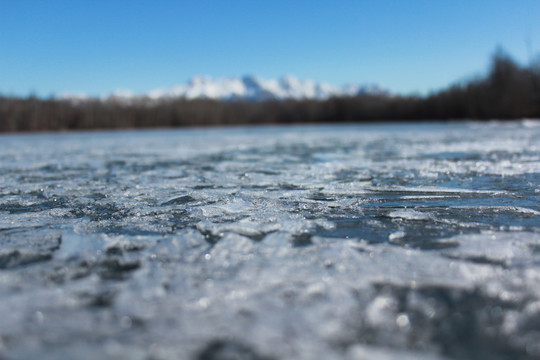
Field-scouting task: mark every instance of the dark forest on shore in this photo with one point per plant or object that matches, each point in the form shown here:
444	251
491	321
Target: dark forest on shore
507	91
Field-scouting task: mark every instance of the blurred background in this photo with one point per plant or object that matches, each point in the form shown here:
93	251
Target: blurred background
109	64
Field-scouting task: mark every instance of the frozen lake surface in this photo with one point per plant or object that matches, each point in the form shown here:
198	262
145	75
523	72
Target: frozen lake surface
351	242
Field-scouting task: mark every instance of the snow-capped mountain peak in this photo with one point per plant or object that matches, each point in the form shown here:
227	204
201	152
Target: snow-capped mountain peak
251	88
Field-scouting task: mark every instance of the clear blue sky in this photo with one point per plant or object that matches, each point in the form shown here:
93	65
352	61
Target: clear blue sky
96	47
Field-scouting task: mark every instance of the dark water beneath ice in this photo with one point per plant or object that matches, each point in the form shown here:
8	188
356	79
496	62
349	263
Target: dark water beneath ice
316	242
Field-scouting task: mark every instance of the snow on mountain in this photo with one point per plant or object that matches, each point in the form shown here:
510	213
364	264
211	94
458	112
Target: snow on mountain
254	88
251	88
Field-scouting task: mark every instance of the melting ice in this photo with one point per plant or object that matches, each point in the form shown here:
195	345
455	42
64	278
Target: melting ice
338	242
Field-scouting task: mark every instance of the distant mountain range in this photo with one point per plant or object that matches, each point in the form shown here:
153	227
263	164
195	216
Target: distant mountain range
248	88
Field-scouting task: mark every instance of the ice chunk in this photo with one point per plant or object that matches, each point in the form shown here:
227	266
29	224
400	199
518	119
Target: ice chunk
410	214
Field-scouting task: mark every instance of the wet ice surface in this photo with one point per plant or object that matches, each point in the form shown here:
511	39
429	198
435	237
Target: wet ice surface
336	242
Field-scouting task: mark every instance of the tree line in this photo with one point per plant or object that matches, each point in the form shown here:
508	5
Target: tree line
507	91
